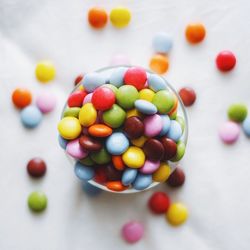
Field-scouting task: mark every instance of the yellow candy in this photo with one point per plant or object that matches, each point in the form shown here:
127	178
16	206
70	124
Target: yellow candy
45	71
120	17
81	87
162	173
69	128
139	142
177	214
146	94
133	112
134	157
87	115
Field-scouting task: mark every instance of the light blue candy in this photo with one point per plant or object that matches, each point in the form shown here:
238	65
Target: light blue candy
166	124
84	173
162	43
117	143
62	142
129	176
175	131
117	76
91	190
246	126
92	81
142	181
156	83
145	107
31	116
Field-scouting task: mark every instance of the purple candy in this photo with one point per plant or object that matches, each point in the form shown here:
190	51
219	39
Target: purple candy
229	132
150	167
152	125
46	102
74	149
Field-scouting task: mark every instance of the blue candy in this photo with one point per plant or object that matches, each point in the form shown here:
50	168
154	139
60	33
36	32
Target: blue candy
92	81
62	142
246	126
156	83
117	76
117	143
175	131
84	173
91	190
129	176
166	124
162	43
142	181
31	116
145	107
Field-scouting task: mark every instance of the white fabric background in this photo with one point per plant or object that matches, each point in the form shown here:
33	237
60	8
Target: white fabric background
216	190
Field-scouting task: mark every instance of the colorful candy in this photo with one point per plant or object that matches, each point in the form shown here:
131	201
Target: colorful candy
162	43
129	176
37	201
195	33
159	63
46	102
162	173
21	97
97	17
87	115
225	61
103	98
229	132
84	173
76	98
69	128
177	178
153	149
99	130
177	214
126	96
36	167
31	116
45	71
89	144
142	181
132	231
152	125
120	17
136	77
159	203
237	112
133	127
134	157
117	143
75	150
145	107
188	96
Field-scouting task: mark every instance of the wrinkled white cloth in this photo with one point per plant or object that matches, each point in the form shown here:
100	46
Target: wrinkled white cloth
216	189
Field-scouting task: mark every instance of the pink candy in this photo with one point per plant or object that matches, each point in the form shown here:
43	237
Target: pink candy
74	149
229	132
46	102
132	231
153	125
150	167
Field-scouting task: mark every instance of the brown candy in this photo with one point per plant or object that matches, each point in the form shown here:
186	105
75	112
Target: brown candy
177	178
112	173
134	127
89	143
36	167
170	148
153	150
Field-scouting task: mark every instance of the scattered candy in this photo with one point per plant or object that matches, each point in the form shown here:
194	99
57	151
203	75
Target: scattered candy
195	33
97	17
120	17
246	126
45	71
31	116
177	178
237	112
229	132
225	61
46	102
159	203
188	96
132	231
177	214
37	201
162	43
21	97
159	63
36	167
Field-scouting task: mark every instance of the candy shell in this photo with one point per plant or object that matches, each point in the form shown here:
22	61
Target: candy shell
149	167
139	142
73	112
45	71
62	142
159	63
166	125
177	214
246	126
159	203
37	201
156	82
162	173
164	101
89	144
133	127
188	96
142	181
110	86
87	115
84	173
120	17
237	112
112	173
114	117
180	151
162	43
97	17
46	102
152	125
170	148
229	132
78	79
31	116
225	61
145	107
87	161
136	77
132	231
75	150
88	98
126	96
99	130
129	176
117	143
116	186
177	178
92	81
100	157
134	157
21	97
69	128
100	175
146	94
175	131
118	162
76	98
117	76
91	190
153	149
133	112
195	32
36	167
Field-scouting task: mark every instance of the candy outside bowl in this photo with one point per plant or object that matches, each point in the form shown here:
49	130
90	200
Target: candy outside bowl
178	113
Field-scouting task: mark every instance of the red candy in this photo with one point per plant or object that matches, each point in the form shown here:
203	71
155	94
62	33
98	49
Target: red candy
159	203
103	98
225	60
100	175
78	79
177	178
76	98
36	167
187	95
135	76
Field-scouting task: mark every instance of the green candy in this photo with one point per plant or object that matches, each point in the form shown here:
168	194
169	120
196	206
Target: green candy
180	151
101	157
74	112
37	201
126	96
164	101
181	121
237	112
114	117
112	87
87	161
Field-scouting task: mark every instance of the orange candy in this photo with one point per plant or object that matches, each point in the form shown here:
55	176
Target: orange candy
21	97
175	107
97	17
118	162
100	130
195	32
159	63
116	186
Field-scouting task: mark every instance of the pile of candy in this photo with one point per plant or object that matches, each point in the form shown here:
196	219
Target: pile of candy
123	129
